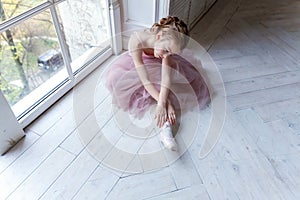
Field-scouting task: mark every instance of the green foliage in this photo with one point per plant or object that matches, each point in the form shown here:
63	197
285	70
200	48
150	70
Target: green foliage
15	7
9	70
11	92
31	38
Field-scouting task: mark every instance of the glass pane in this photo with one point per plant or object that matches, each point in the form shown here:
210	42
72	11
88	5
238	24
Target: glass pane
85	27
12	8
31	63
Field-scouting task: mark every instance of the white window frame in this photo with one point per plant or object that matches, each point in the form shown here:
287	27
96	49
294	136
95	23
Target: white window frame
73	78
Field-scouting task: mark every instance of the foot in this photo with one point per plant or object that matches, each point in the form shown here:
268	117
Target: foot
166	137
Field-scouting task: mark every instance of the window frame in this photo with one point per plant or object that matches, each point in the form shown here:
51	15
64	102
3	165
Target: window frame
74	77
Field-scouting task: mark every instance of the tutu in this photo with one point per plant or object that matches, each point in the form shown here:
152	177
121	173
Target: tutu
188	88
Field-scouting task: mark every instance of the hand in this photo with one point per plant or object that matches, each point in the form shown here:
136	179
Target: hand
171	114
160	115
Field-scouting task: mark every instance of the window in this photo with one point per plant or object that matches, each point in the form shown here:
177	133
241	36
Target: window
45	45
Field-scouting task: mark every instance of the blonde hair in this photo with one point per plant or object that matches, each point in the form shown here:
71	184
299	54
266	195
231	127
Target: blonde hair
175	28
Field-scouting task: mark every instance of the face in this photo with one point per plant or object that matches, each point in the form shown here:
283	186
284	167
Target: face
165	47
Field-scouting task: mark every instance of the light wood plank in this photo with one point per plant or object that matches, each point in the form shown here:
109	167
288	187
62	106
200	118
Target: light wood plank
290	21
293	52
195	192
234	144
262	82
184	172
270	141
89	127
151	155
84	95
134	167
218	54
72	179
143	186
289	38
250	71
98	186
52	115
267	49
231	63
287	168
35	155
255	98
104	140
41	179
14	153
294	121
278	110
238	155
243	179
123	153
207	30
73	143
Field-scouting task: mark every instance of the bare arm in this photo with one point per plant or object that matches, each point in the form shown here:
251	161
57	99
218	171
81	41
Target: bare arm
162	96
143	74
164	91
165	81
161	111
136	52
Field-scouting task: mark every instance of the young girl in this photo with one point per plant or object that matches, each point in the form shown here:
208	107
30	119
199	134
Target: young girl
153	72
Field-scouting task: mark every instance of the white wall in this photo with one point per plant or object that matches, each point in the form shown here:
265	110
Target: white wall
138	14
10	129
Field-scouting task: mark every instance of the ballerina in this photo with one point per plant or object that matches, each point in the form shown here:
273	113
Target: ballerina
153	72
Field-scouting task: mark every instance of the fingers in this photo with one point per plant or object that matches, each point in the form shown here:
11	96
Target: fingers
160	119
163	120
172	118
171	114
160	115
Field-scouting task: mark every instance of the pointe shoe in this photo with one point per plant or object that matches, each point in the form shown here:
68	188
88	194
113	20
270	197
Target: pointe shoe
167	138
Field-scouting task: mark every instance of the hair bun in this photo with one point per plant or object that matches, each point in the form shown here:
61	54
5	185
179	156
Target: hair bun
172	22
169	20
156	25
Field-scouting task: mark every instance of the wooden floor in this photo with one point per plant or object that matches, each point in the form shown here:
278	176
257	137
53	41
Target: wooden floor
256	46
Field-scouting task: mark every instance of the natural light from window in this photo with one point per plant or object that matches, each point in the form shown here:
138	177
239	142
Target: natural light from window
43	45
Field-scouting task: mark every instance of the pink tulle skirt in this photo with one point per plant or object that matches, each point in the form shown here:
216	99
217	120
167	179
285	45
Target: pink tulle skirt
188	87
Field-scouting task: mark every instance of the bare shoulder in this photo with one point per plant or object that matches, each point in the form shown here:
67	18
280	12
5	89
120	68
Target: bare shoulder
134	43
135	49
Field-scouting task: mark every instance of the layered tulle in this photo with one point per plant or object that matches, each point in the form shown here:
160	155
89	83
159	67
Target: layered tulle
188	88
